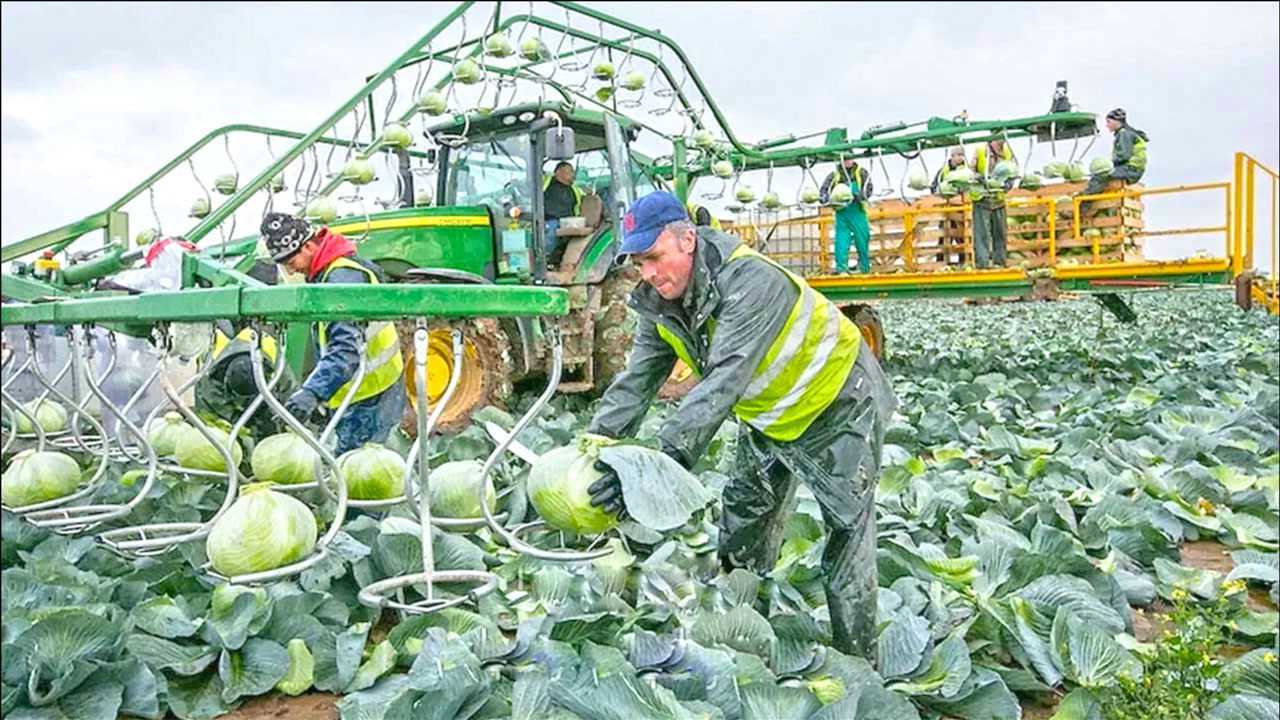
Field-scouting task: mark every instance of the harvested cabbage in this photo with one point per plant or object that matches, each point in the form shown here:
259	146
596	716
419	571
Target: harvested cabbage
372	472
262	530
34	477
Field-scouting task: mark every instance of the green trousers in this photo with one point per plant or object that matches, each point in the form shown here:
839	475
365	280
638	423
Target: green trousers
852	225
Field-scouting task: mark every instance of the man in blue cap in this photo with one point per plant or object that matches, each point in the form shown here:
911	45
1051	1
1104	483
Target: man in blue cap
811	401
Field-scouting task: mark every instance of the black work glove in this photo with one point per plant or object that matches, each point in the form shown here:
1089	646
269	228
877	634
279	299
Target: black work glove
302	404
606	493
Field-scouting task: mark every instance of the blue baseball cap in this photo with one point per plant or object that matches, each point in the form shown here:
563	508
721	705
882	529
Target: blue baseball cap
643	223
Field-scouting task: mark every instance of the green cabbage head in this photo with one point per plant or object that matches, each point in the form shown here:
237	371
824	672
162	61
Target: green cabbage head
455	490
372	472
284	459
262	530
34	477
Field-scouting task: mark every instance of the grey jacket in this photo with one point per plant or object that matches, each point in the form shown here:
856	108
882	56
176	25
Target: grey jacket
749	301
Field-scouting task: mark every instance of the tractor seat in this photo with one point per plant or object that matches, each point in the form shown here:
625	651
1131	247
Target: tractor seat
575	239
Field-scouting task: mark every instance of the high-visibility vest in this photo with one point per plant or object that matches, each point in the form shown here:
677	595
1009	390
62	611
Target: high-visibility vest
1138	160
577	194
265	342
981	166
693	209
804	369
383	362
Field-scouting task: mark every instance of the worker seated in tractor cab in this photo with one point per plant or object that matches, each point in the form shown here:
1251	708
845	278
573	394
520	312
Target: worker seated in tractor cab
561	198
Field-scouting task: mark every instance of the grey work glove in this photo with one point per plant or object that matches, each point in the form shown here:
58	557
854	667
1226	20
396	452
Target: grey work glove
302	404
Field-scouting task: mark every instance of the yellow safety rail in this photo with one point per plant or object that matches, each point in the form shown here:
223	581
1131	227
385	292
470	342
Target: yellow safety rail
1224	228
1237	237
1243	238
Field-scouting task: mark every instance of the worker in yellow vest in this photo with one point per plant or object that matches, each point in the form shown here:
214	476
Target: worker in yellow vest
810	399
955	161
990	224
228	388
379	401
700	216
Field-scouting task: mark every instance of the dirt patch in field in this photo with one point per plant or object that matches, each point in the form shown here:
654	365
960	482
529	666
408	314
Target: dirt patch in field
311	706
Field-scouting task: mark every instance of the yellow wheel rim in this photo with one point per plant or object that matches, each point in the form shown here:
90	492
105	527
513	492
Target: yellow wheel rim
440	370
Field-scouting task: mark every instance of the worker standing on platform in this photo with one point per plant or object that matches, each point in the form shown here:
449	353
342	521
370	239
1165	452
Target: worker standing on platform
851	218
379	401
811	400
955	159
990	226
1128	155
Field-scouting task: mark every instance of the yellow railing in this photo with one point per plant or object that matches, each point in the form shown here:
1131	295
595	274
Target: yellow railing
1224	228
1243	238
818	228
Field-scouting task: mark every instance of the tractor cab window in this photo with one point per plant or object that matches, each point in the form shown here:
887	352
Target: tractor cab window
490	172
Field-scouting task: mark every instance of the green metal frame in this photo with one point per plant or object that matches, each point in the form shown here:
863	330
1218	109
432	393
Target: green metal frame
296	303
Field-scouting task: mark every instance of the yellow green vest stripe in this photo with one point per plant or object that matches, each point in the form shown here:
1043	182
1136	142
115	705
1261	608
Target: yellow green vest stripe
804	368
383	363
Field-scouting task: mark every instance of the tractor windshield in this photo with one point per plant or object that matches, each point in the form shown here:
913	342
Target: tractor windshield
491	172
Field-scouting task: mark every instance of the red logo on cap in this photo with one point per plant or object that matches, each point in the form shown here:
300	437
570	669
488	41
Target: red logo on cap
629	222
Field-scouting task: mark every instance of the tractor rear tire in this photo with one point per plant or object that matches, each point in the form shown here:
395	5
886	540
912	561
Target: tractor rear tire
615	327
486	371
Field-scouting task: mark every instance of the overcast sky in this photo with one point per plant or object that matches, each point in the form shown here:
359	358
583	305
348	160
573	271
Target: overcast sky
97	96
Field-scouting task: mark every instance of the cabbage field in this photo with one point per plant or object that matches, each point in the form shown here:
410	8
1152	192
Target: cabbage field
1077	519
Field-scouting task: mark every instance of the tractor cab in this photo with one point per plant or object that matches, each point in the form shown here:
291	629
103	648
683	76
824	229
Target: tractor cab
506	166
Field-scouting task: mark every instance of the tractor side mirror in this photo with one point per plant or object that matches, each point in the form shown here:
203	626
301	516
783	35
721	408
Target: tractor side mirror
560	143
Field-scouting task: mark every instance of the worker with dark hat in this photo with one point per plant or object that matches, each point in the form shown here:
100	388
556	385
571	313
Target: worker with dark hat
811	401
324	256
1128	155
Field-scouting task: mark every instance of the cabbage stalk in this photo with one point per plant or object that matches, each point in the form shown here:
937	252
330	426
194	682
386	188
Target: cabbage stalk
372	472
455	490
284	459
34	477
262	530
51	416
163	433
193	451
